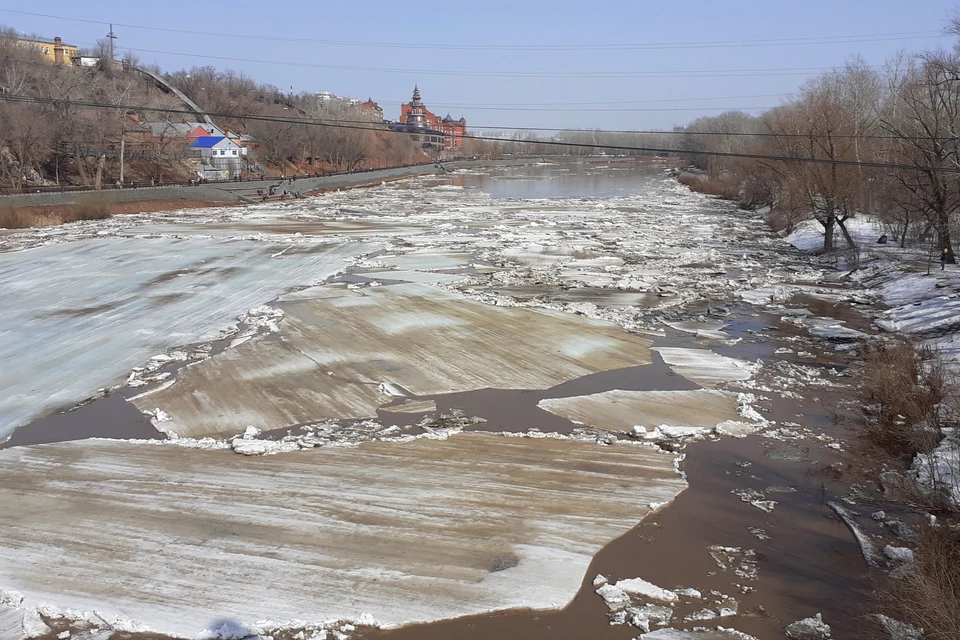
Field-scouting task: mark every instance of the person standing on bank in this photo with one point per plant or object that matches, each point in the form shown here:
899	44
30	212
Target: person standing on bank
943	259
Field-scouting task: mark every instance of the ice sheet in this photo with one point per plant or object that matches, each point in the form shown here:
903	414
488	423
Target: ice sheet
80	315
705	367
622	410
334	353
406	532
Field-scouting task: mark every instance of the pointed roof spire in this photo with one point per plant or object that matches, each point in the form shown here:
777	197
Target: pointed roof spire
416	95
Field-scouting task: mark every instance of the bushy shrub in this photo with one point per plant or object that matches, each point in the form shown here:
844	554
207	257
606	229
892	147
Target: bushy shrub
927	596
903	390
725	188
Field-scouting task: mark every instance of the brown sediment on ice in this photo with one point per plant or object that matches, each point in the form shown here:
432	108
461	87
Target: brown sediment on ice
622	410
809	563
425	530
597	295
346	352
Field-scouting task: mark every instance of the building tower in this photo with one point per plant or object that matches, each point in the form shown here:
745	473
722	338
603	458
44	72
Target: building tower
416	117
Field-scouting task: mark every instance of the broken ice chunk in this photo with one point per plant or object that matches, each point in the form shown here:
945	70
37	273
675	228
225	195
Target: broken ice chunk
809	629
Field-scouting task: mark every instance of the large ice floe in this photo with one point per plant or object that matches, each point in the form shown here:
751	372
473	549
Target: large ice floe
938	473
409	532
706	367
346	352
82	314
650	413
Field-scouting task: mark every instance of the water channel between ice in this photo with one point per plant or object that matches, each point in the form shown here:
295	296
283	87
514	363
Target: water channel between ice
397	314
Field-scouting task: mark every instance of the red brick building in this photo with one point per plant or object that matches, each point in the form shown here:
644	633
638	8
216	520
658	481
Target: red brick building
373	109
415	114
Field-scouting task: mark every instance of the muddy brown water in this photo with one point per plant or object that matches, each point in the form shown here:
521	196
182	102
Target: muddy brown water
810	564
108	417
517	410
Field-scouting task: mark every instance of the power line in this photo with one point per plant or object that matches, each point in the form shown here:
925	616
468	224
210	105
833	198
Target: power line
549	106
706	44
681	132
614	110
694	73
624	131
616	147
602	102
701	73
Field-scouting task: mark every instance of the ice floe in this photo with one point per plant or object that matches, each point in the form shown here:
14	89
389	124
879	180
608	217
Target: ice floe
813	628
88	312
417	337
938	473
869	550
719	633
705	367
419	531
667	410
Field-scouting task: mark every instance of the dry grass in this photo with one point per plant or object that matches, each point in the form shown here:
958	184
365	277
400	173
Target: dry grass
909	396
785	219
902	391
11	218
92	206
725	188
927	595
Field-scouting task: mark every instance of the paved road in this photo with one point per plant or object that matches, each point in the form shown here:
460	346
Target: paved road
229	192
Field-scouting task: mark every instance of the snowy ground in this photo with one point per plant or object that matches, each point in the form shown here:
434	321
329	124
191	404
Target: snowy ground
449	290
922	304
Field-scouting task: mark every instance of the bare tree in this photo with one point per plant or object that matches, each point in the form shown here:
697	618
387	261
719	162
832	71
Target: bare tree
279	142
827	122
923	116
27	136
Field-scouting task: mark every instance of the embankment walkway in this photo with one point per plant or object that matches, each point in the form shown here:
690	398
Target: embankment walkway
246	191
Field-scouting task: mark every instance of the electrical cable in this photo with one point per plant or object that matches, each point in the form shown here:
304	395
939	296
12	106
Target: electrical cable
811	40
614	147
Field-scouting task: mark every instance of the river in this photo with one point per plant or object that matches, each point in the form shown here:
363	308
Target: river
598	304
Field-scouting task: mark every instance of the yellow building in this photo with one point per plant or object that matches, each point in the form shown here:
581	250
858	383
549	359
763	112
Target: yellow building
52	50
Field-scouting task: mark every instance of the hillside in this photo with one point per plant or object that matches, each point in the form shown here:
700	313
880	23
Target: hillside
90	121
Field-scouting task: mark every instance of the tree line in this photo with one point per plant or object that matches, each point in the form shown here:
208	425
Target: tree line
857	118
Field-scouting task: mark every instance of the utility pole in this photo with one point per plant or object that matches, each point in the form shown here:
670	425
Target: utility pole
112	36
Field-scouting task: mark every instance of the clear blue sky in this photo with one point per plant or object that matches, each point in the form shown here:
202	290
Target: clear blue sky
518	23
